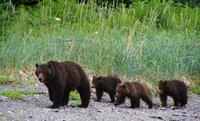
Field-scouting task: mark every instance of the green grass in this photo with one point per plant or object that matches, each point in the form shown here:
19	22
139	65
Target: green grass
18	95
196	91
74	96
14	95
31	82
4	79
196	87
152	41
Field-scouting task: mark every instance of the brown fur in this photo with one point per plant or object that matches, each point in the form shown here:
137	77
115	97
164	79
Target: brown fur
174	88
134	91
62	77
105	84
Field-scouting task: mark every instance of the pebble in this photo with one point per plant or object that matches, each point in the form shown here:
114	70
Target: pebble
36	106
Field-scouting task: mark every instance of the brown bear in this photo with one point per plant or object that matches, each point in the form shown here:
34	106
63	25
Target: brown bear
105	84
62	77
176	89
134	91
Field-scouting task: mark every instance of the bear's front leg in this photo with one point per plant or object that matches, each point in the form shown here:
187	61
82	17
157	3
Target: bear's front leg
51	94
148	100
99	94
58	97
163	99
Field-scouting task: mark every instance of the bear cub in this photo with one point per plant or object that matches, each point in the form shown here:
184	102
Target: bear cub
105	84
62	77
135	91
176	89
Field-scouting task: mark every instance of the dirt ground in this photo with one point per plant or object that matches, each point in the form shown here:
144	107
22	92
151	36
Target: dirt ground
35	108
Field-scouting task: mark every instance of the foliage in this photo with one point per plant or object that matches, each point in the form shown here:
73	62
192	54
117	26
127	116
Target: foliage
74	96
31	82
4	79
196	87
14	95
18	95
196	90
149	40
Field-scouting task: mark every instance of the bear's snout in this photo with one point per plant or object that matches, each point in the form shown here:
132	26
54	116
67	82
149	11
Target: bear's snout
93	86
41	77
115	103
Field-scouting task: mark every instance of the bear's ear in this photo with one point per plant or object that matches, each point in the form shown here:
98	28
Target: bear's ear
36	65
49	64
94	77
162	81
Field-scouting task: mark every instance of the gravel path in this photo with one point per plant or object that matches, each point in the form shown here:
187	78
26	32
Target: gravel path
34	108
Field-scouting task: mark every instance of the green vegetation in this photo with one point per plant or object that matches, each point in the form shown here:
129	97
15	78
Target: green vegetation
31	82
14	95
18	95
151	40
16	84
196	90
74	96
4	79
196	87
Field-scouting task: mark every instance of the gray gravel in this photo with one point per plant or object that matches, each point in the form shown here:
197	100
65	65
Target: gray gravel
35	108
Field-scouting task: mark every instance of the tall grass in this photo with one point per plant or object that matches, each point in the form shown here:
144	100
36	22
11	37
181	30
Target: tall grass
149	40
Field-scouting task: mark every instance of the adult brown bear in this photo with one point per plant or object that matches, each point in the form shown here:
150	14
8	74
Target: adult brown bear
62	77
174	88
135	91
105	84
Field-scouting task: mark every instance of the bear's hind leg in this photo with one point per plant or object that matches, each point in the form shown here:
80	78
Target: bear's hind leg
148	100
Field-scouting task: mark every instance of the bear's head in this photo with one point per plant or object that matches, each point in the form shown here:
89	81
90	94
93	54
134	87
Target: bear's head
44	72
95	81
122	91
162	87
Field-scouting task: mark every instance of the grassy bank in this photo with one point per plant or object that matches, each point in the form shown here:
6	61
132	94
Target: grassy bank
151	41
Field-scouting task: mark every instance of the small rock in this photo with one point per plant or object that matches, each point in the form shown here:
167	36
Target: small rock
3	98
30	116
157	117
184	112
163	108
176	115
56	111
99	110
